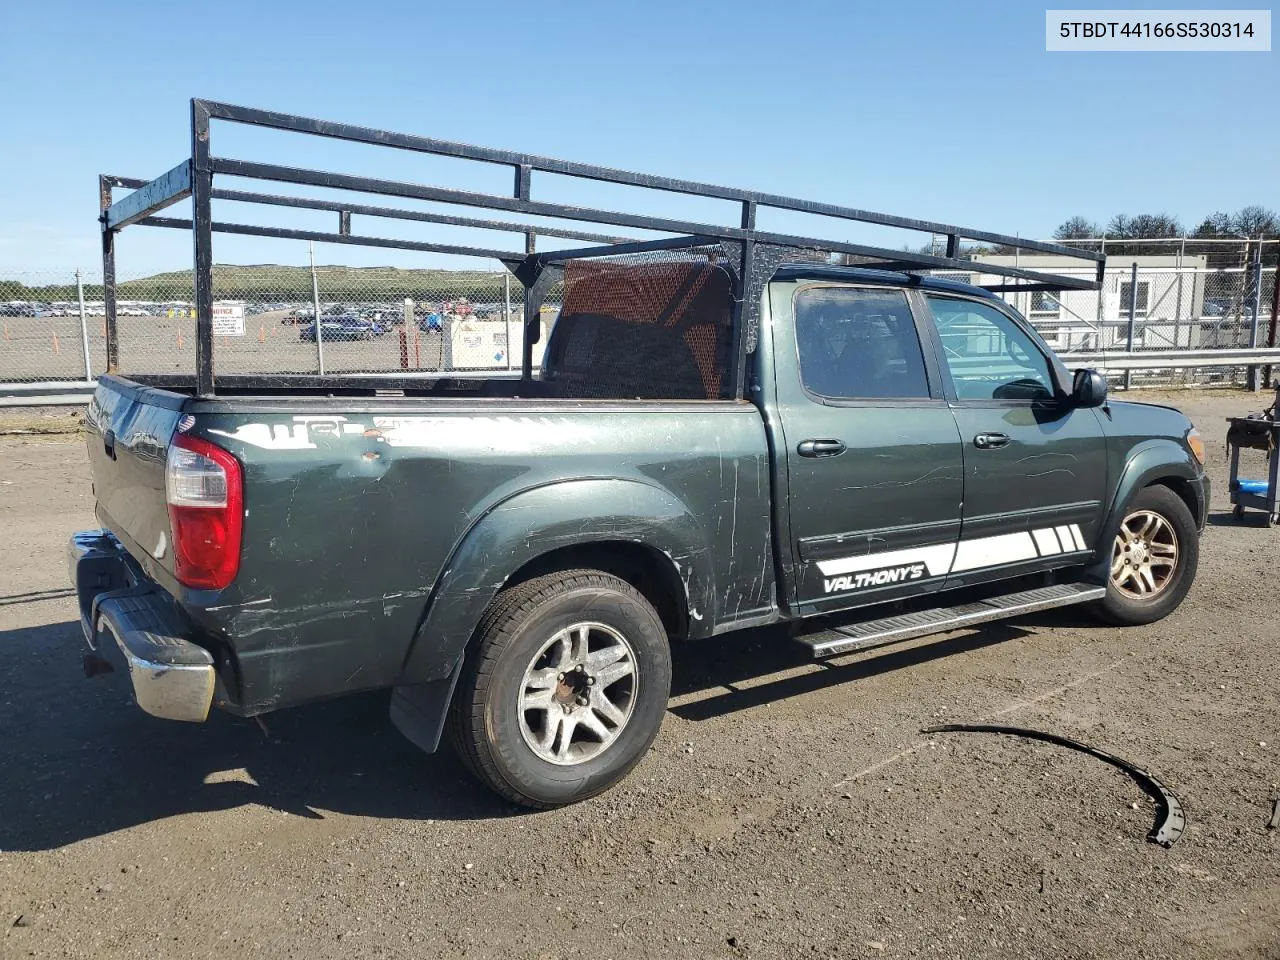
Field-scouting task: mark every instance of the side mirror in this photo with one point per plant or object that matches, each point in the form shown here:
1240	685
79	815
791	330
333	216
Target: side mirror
1089	389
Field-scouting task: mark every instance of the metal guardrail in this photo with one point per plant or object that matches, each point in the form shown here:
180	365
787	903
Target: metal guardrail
48	393
1173	359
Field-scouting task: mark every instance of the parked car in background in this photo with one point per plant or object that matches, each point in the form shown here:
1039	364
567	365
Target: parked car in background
382	315
343	328
298	316
1216	307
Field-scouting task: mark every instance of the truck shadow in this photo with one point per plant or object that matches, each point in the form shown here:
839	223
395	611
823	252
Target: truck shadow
81	760
735	671
1251	518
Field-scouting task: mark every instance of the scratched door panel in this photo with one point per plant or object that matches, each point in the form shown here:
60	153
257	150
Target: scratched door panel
1035	466
1040	494
874	508
880	521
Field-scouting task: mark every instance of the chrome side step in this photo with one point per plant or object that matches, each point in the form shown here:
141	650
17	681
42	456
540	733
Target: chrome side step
873	633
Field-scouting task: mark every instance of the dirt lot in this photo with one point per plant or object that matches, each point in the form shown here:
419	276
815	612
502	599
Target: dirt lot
52	348
786	810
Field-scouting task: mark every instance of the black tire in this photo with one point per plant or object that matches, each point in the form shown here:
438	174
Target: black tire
486	722
1119	606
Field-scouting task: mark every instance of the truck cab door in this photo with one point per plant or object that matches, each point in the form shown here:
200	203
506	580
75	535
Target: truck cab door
1035	466
867	461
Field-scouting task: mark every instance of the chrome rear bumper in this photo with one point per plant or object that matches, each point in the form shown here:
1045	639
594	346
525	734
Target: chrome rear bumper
172	677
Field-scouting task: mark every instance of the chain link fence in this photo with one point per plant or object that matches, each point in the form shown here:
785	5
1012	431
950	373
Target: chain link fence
1181	294
52	329
372	320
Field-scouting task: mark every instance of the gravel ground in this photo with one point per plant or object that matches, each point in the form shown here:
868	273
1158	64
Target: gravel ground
786	810
52	348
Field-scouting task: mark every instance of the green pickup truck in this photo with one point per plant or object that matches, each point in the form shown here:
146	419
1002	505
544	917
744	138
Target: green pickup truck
513	557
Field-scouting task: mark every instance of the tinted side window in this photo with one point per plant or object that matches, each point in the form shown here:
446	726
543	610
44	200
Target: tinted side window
858	344
990	357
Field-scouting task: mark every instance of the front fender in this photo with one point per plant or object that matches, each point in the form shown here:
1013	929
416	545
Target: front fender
535	522
1148	462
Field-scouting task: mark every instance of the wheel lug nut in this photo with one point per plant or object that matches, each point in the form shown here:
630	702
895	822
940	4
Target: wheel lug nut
591	681
582	701
559	676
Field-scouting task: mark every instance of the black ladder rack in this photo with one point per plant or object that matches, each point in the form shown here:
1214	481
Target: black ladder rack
753	253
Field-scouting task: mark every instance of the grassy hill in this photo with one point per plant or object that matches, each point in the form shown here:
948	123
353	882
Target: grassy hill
273	282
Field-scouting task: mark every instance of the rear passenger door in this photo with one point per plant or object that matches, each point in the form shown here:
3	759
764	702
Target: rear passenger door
1035	466
868	458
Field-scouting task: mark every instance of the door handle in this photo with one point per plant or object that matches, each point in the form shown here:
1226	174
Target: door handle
991	441
820	448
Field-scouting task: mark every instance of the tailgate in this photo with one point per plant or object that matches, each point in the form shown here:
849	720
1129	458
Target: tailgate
129	428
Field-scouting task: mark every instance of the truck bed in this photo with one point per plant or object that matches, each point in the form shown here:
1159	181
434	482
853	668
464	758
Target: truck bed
359	511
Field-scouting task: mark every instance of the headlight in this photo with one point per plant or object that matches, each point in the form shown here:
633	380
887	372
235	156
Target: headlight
1196	443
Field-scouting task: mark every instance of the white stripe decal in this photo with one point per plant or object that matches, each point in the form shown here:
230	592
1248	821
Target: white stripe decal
1046	542
993	551
937	559
943	558
1075	532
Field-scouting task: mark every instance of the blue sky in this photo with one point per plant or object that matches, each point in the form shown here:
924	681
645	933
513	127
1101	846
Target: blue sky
945	110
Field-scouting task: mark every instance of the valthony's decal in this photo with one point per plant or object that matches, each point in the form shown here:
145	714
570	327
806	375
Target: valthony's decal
917	563
875	578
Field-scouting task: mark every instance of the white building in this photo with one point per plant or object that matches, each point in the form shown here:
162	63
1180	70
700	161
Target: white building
1168	309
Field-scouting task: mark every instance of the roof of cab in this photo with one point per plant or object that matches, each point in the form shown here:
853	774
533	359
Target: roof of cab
820	271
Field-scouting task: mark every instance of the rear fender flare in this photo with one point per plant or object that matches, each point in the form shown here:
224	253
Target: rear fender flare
535	522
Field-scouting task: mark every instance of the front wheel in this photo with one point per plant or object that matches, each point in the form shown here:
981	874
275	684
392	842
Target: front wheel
563	690
1153	559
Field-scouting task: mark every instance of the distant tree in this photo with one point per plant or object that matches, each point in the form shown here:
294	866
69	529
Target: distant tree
1143	226
1254	220
1248	222
1215	225
1076	228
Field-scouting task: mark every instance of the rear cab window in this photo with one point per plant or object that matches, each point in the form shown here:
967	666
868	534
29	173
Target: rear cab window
859	344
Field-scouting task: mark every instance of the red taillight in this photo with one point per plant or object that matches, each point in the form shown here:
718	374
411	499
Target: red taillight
206	509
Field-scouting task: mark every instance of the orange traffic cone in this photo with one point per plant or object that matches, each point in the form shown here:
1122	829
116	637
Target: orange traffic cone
262	334
179	340
57	347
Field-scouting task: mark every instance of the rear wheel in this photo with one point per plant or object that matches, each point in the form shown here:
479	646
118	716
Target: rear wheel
564	689
1153	559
